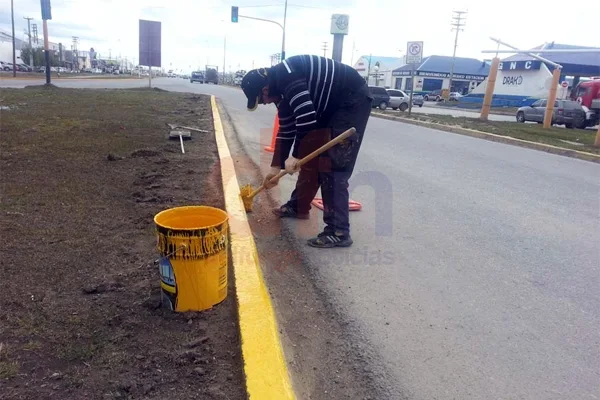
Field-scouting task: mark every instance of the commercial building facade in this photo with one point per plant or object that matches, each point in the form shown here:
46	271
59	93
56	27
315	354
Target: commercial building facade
522	79
434	74
378	69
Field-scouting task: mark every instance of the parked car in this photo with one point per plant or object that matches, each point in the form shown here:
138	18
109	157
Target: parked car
455	96
197	76
418	99
25	68
434	95
566	112
9	67
400	99
381	98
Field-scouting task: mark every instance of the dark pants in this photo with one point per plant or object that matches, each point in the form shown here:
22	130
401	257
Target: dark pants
333	169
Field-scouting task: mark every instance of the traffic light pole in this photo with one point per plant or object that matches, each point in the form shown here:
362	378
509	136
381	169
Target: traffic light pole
234	9
276	23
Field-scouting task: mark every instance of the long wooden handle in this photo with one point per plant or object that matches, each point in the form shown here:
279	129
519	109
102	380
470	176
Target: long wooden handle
309	157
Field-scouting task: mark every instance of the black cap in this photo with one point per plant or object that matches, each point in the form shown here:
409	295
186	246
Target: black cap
252	84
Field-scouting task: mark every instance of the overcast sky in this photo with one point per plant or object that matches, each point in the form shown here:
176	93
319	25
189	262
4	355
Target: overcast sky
194	31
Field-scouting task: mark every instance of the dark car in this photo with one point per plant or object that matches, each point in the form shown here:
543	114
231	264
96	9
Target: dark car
434	95
197	76
381	98
566	112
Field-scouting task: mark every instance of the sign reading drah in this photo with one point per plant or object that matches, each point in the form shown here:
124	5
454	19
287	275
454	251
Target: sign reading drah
150	43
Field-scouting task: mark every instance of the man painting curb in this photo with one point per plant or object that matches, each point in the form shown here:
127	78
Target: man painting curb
317	99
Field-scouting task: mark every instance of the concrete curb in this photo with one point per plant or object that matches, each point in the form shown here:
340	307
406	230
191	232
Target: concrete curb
265	367
476	110
561	151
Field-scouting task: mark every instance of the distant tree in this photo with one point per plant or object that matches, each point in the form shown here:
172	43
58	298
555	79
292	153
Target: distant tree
38	56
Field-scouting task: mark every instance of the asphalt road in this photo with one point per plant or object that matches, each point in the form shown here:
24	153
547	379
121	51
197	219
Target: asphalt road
475	269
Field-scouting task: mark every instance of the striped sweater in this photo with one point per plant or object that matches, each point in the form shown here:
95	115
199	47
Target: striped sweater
311	87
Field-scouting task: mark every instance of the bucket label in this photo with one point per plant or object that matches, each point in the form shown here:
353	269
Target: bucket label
192	244
166	275
167	284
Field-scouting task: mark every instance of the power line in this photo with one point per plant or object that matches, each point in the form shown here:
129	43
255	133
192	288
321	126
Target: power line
458	21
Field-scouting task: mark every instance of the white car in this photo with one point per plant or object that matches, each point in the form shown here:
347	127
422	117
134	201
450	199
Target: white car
400	100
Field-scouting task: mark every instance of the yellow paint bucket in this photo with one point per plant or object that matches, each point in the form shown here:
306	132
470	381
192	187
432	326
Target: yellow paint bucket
193	245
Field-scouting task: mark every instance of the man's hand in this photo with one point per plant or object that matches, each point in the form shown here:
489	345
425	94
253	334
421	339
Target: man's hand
291	165
272	173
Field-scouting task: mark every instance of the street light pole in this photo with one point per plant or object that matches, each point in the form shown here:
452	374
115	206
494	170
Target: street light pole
283	39
12	14
276	23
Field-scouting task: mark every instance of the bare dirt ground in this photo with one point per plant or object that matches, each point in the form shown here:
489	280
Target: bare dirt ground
83	172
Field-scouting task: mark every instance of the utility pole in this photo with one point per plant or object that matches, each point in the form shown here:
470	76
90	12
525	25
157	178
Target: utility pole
75	53
12	15
324	49
30	46
458	21
224	53
352	56
35	33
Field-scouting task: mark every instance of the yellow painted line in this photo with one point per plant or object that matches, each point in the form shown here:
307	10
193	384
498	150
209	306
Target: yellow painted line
267	376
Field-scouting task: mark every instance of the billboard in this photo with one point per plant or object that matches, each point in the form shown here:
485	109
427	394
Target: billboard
150	43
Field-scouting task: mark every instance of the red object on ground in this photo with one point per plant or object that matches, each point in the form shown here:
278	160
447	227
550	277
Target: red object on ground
352	205
271	148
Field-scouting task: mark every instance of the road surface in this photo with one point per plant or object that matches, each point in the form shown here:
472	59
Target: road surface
475	272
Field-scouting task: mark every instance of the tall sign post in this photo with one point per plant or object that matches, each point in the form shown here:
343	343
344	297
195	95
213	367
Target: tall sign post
339	28
414	56
46	15
150	46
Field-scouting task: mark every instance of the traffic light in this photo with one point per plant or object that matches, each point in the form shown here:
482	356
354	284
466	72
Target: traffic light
234	14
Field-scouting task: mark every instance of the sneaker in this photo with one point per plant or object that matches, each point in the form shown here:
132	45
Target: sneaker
327	240
288	212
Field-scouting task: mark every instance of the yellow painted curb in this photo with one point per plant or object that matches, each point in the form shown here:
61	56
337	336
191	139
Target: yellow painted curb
267	376
548	148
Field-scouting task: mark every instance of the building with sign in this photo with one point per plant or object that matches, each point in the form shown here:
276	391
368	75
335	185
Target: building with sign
433	73
378	69
523	79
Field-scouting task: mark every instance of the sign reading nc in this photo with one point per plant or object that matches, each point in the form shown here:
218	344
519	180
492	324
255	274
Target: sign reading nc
519	65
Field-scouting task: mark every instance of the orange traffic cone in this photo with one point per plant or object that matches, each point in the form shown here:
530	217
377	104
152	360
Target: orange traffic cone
271	148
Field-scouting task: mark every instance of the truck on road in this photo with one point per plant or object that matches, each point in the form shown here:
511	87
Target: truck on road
211	74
